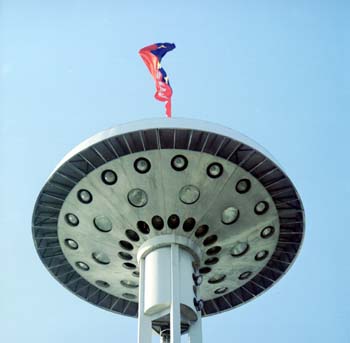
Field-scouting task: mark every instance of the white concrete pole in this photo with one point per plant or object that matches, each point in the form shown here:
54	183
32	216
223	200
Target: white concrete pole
175	315
144	321
195	331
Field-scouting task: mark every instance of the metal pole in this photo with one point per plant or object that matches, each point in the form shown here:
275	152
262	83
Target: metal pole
164	339
175	315
195	331
144	321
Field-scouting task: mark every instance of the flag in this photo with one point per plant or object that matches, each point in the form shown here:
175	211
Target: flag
152	56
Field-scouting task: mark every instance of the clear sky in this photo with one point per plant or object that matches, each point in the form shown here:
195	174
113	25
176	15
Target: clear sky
278	71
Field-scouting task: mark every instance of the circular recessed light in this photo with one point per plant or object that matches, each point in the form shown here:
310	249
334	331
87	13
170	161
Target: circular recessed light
210	240
243	186
109	177
204	270
132	235
84	196
129	284
100	257
215	170
126	245
82	265
198	304
267	232
124	256
143	227
173	221
217	279
201	231
239	249
261	207
142	165
102	284
157	223
137	197
229	215
129	265
189	194
198	279
129	296
210	261
261	255
221	290
71	244
102	223
189	224
136	274
245	275
179	162
71	219
214	250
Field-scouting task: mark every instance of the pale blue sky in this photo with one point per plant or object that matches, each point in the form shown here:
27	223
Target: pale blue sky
278	71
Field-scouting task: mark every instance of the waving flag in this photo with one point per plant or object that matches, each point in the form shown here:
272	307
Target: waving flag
152	56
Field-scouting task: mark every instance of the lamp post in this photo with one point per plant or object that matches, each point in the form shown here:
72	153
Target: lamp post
169	221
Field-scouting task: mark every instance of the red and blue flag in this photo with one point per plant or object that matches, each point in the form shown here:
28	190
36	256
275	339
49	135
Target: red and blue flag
152	56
